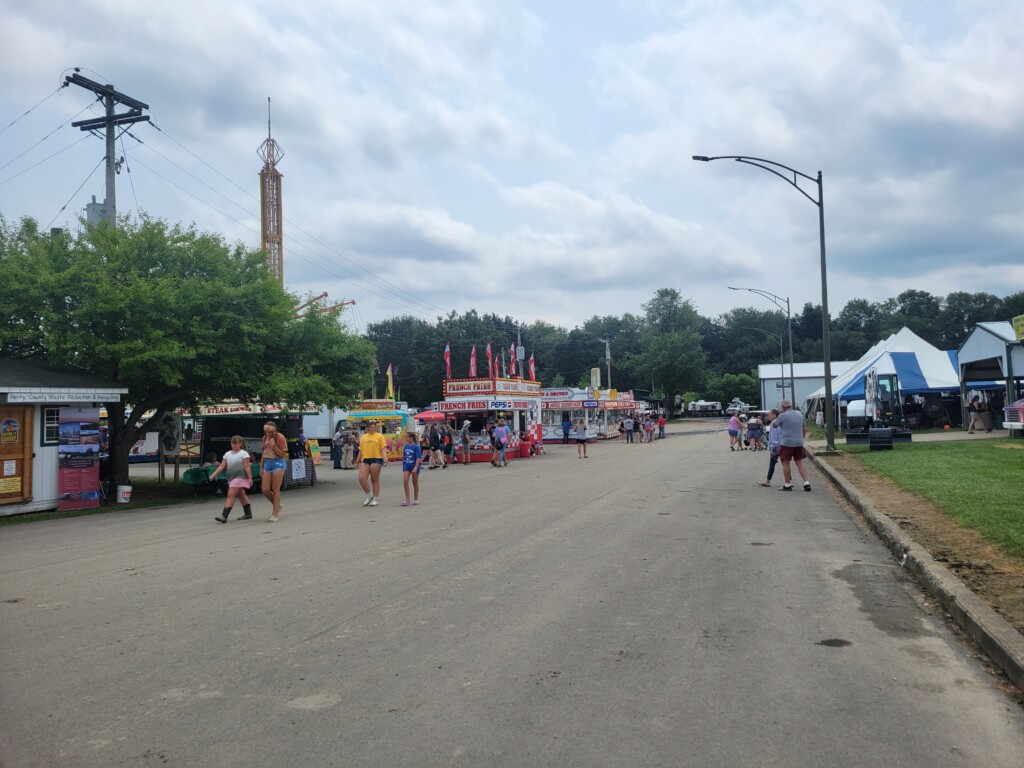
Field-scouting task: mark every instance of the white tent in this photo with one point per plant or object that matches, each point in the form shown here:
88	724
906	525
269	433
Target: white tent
920	367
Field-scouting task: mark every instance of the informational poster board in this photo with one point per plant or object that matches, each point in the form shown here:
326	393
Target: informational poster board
313	451
78	458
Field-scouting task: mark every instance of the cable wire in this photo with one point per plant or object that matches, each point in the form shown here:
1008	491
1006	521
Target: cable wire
59	151
128	170
76	192
32	109
300	244
13	159
378	281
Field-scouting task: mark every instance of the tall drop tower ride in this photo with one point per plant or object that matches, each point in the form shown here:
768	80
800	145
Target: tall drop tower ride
270	202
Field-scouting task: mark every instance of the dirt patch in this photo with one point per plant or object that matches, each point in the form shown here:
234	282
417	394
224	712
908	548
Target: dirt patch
992	574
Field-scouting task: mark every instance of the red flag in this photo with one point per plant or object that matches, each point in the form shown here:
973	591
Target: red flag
512	360
490	362
472	363
448	361
533	368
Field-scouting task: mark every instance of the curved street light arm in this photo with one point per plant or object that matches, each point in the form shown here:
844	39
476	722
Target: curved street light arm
761	330
766	294
760	162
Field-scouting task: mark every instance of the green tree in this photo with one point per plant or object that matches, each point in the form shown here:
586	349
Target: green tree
176	316
960	312
670	355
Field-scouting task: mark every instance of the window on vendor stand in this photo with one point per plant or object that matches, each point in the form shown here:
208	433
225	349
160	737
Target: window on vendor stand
51	427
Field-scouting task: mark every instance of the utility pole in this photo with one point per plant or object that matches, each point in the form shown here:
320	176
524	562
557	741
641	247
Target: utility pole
608	359
109	121
520	351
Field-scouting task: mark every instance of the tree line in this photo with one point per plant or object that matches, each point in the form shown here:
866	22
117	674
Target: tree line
668	349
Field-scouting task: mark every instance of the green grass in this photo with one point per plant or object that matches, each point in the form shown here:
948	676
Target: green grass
980	484
146	492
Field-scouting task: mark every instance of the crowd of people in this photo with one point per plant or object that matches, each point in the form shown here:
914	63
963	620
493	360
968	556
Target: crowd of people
365	449
782	435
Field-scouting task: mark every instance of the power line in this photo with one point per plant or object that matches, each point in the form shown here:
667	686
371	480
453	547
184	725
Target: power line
250	229
377	280
50	157
76	191
128	170
32	109
13	159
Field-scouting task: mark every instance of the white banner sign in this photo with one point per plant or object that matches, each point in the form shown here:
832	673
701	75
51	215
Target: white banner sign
62	397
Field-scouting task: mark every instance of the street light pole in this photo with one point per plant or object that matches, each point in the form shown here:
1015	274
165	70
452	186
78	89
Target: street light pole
789	324
782	356
770	166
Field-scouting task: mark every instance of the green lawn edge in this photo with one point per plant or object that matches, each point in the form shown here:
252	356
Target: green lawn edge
980	484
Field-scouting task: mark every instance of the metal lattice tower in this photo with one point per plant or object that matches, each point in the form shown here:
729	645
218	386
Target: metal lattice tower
270	202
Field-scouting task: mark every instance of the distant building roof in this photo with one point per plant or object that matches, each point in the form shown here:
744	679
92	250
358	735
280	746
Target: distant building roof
803	370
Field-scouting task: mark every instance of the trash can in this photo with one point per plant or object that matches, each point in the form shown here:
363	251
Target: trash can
524	450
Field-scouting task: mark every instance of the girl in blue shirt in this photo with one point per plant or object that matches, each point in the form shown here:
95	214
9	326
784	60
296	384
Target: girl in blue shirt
412	457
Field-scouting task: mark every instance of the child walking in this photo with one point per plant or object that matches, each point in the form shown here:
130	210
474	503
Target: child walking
236	465
773	449
412	457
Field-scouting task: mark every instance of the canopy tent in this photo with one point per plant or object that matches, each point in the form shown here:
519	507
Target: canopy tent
992	351
920	367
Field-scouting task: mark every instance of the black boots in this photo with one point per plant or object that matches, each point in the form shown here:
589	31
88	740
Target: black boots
246	509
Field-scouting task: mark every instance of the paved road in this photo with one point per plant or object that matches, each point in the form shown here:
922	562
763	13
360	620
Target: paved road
647	606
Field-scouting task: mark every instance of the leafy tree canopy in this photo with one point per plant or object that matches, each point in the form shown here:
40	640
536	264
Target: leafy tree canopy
175	315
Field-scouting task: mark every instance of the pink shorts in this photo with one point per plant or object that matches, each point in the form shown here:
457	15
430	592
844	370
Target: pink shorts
239	482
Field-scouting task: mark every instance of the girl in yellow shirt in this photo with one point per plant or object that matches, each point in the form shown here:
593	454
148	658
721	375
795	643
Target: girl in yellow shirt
373	454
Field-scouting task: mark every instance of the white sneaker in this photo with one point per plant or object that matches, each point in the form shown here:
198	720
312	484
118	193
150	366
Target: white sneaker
373	502
366	501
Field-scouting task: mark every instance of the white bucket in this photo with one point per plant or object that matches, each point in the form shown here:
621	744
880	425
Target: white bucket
124	494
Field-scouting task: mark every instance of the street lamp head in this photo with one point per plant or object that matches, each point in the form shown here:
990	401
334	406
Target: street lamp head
702	158
731	288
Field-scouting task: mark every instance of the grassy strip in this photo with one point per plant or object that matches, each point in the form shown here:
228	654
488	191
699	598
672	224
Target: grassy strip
146	492
980	484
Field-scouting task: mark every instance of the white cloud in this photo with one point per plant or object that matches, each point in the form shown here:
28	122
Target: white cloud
513	158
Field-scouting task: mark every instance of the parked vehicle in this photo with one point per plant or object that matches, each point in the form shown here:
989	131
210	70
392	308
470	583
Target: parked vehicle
704	408
880	410
737	406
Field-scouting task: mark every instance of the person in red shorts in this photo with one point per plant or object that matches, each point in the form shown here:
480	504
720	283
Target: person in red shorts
792	432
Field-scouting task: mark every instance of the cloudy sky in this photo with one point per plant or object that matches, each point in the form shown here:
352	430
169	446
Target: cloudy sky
534	158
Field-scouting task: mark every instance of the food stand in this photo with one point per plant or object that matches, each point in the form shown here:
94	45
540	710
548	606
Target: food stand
483	401
601	410
393	421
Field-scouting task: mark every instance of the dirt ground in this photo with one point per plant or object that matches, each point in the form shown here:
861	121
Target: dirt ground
994	576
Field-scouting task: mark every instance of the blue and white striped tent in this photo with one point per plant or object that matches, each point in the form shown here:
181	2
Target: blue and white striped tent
920	366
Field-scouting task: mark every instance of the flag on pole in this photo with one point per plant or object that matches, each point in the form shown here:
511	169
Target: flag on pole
391	384
472	363
512	360
490	363
448	361
533	368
